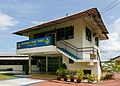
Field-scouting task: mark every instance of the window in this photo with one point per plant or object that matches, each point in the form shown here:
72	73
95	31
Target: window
87	72
96	41
39	35
71	32
88	34
71	61
65	33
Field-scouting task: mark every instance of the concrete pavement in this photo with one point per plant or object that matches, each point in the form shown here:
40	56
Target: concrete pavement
20	82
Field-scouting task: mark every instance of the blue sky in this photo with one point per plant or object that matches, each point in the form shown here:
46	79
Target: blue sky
19	14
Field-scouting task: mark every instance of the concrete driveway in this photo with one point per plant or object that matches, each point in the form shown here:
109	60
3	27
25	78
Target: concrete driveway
20	82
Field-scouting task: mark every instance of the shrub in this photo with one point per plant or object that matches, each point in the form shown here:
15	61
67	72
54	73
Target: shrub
118	67
90	78
60	72
80	74
63	66
109	75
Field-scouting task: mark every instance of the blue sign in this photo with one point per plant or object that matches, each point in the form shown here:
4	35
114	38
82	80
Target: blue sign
34	43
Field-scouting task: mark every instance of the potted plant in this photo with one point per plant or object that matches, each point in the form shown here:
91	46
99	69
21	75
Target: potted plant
65	78
72	73
67	74
60	73
71	77
80	75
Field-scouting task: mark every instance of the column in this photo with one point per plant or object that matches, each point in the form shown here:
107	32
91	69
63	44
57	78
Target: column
30	66
46	64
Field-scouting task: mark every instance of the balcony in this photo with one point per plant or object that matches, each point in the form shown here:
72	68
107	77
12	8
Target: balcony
40	45
45	46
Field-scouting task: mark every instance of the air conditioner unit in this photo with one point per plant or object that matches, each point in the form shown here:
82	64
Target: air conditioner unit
91	63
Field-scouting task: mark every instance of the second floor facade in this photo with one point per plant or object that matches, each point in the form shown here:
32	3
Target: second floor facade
80	32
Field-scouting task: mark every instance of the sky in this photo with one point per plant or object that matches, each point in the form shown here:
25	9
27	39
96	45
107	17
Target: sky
19	14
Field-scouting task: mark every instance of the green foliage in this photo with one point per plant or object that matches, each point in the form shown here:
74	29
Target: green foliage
104	68
80	74
118	67
109	75
60	72
72	73
63	66
111	66
90	77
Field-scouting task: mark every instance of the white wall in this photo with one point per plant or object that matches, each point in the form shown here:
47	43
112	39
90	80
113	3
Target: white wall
17	67
95	69
14	67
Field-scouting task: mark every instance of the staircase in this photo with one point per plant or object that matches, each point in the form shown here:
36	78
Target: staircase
68	54
66	49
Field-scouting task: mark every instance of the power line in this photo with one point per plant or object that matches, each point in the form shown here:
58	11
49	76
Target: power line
110	6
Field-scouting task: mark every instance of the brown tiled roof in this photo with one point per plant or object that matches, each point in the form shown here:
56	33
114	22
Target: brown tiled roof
90	12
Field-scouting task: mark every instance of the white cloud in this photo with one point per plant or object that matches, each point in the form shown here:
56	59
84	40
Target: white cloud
115	27
6	21
111	47
113	43
37	22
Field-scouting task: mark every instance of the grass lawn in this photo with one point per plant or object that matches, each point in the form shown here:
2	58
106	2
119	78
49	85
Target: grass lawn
4	77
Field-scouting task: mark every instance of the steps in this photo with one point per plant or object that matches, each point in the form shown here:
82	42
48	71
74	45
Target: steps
65	52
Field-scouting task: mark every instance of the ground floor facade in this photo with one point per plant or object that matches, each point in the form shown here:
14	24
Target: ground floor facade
50	64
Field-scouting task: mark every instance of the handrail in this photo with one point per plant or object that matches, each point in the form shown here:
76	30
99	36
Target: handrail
84	49
68	45
77	47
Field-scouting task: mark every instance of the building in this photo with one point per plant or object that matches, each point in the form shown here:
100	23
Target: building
73	40
16	63
116	59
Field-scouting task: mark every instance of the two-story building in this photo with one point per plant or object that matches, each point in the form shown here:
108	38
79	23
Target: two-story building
73	40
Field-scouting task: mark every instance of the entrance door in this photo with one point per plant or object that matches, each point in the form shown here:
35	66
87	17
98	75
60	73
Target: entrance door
53	63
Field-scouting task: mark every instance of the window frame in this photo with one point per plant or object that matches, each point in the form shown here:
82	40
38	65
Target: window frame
88	34
96	41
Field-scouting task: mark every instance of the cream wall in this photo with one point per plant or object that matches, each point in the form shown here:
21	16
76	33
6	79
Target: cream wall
78	33
95	69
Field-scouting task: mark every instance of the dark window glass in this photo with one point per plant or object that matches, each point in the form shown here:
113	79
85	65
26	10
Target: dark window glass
96	41
39	35
65	33
71	32
71	61
87	72
88	34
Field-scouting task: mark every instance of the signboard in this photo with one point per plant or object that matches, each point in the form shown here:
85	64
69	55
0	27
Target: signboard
34	43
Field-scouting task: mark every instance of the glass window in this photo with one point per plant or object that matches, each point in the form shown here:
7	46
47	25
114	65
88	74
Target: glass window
96	41
71	32
88	34
39	35
65	33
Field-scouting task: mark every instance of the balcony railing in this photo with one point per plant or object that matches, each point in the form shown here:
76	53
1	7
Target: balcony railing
85	53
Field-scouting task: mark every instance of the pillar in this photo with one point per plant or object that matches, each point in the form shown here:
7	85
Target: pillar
30	66
46	64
